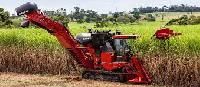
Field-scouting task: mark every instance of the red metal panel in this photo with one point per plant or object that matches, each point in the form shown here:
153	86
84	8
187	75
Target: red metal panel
106	57
140	76
165	33
63	35
113	66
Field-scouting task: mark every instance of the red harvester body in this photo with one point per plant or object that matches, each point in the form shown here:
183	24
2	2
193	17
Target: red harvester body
165	33
103	54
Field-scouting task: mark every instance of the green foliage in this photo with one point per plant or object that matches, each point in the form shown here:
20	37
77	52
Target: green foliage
62	19
185	20
123	19
194	20
80	21
136	15
5	18
81	15
186	43
116	15
172	8
101	24
30	38
150	17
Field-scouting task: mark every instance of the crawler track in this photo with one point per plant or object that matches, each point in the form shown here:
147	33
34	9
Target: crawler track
104	76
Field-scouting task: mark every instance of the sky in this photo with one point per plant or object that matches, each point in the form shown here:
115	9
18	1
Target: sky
101	6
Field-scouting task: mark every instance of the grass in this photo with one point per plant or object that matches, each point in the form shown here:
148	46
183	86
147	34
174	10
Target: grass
173	62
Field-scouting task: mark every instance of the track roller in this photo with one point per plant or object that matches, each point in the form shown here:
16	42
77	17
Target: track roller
103	77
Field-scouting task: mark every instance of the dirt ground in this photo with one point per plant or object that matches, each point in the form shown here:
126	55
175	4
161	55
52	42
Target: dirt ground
25	80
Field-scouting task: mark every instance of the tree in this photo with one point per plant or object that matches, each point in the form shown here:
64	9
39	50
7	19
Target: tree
104	16
150	17
77	15
4	18
136	15
91	16
123	19
59	15
62	19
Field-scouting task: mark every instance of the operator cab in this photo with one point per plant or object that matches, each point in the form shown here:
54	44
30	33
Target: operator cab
122	49
107	45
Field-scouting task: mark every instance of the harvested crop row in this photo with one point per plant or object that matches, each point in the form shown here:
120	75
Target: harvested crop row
27	60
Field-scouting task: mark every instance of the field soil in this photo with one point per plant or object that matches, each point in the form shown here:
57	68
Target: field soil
30	80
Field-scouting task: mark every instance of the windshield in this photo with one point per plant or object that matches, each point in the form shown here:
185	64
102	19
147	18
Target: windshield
121	47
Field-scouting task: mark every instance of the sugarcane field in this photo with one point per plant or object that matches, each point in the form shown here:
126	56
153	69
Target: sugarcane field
99	43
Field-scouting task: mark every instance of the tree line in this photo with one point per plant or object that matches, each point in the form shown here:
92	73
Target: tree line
102	20
80	15
172	8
